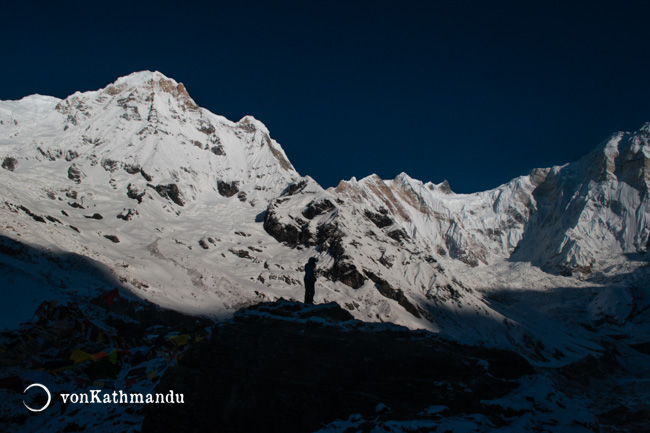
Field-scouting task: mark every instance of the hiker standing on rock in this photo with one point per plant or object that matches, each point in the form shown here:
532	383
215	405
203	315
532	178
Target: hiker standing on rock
310	280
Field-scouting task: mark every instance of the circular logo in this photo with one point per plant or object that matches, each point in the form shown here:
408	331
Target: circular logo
49	397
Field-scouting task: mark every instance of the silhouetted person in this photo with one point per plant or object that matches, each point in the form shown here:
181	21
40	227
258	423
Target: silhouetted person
310	280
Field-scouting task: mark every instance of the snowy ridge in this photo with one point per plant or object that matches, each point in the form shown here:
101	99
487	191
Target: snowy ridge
468	227
203	215
594	210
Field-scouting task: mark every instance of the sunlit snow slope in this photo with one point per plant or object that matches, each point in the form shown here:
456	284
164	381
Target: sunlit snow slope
203	215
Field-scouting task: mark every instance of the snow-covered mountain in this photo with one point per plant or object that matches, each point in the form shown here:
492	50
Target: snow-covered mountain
137	172
196	213
594	209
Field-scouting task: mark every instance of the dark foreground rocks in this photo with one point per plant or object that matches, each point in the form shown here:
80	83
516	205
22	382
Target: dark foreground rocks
287	367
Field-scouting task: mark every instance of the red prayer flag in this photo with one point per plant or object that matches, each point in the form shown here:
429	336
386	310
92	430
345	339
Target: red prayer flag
110	296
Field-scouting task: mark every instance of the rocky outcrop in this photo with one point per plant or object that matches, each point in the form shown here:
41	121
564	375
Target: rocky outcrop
294	188
316	208
128	214
171	192
135	193
347	273
379	219
146	175
459	248
9	163
391	293
227	189
132	168
292	233
398	235
70	155
111	165
75	174
287	367
35	217
218	150
113	238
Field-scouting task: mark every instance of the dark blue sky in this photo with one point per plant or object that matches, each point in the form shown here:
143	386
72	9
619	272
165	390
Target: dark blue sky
473	92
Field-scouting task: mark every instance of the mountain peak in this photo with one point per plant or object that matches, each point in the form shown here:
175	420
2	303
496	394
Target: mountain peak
250	122
444	187
154	82
145	123
139	78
